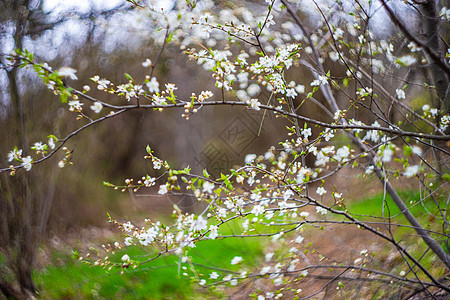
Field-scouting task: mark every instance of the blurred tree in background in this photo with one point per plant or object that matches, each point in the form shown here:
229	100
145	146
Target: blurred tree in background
26	111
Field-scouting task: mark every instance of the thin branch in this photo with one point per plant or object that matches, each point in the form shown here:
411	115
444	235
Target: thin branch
437	60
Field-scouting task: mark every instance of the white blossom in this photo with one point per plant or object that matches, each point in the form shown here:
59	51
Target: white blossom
254	104
321	210
407	60
75	105
445	13
277	281
265	270
200	224
249	158
320	191
128	241
126	258
162	189
15	154
373	135
147	63
213	232
51	143
153	85
127	226
27	162
38	147
205	95
149	181
157	164
321	80
102	83
208	187
236	260
328	134
268	256
300	89
334	56
222	213
411	171
338	33
342	154
413	47
416	150
304	214
170	87
96	107
299	239
369	170
306	132
387	155
68	72
400	94
245	224
253	89
291	93
228	277
258	210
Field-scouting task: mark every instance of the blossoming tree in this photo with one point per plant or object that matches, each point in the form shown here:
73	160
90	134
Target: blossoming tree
385	105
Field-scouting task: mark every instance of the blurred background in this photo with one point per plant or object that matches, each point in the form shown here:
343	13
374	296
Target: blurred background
59	207
109	39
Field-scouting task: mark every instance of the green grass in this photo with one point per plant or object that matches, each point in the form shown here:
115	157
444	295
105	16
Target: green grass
72	279
380	205
426	212
68	278
373	205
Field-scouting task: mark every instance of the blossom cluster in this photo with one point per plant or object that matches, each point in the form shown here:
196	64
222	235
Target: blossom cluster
278	193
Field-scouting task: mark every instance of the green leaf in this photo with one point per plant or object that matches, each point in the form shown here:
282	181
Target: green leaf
128	76
170	37
407	150
345	82
187	170
63	97
446	177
